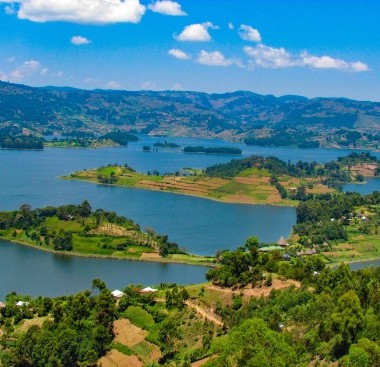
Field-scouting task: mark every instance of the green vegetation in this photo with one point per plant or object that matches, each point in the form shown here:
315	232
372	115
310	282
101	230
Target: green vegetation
252	180
212	150
328	318
21	142
78	229
294	120
78	330
343	228
166	144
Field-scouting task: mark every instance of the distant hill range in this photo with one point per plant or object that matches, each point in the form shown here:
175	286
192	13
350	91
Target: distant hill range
236	115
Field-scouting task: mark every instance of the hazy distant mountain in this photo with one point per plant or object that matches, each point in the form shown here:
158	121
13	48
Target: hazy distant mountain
237	114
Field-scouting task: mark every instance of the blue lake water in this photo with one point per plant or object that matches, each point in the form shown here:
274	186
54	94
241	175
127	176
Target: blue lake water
201	226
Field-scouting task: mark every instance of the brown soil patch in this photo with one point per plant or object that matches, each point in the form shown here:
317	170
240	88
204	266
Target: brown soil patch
202	362
207	314
150	256
252	180
367	170
127	333
110	230
114	358
258	292
349	253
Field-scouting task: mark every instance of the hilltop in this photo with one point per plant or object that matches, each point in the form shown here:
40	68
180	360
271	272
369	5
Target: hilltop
237	115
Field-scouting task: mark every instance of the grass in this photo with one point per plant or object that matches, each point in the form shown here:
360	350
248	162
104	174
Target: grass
122	349
140	317
252	188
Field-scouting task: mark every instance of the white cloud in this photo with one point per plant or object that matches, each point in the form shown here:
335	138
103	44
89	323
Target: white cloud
113	85
269	57
179	54
275	58
80	11
26	69
167	7
44	72
148	85
196	32
177	86
327	62
3	76
231	26
9	9
215	58
11	59
248	33
79	40
91	80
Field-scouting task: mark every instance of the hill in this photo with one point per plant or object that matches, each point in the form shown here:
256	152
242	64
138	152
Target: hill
236	115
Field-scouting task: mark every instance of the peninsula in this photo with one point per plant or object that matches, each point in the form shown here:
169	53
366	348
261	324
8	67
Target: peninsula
78	230
252	180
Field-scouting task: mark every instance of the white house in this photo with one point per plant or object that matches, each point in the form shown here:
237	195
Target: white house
117	294
148	290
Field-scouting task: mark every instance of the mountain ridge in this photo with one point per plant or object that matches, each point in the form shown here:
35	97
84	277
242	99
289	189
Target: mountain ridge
231	115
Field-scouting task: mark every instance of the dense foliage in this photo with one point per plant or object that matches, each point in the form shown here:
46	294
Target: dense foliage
78	227
212	150
21	142
77	330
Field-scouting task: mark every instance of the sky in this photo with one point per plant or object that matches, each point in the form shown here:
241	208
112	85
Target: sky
327	48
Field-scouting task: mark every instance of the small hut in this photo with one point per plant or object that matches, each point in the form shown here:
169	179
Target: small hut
282	242
148	290
117	294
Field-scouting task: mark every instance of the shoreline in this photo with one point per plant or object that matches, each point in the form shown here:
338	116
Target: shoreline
68	178
160	260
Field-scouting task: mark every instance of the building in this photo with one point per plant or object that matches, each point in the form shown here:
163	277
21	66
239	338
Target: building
117	294
282	242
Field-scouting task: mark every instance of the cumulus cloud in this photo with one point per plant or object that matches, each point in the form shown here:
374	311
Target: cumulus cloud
3	76
167	7
113	85
80	11
327	62
26	69
248	33
269	57
215	58
196	32
148	85
79	40
231	26
179	54
276	58
177	86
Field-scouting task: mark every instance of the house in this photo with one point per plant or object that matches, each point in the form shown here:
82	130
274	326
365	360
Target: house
22	303
117	294
287	257
148	290
307	252
282	242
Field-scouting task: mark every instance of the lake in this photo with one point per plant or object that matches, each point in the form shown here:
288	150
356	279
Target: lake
201	226
34	272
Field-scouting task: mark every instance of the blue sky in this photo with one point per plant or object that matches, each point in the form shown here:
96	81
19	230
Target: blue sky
310	47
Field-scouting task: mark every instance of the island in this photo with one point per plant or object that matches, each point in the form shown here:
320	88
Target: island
212	150
166	144
28	141
79	230
252	180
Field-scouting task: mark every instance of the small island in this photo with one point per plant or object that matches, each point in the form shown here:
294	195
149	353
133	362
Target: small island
166	144
212	150
70	140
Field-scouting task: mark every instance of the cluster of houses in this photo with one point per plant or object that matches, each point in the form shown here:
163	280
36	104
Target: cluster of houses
282	244
18	304
118	294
